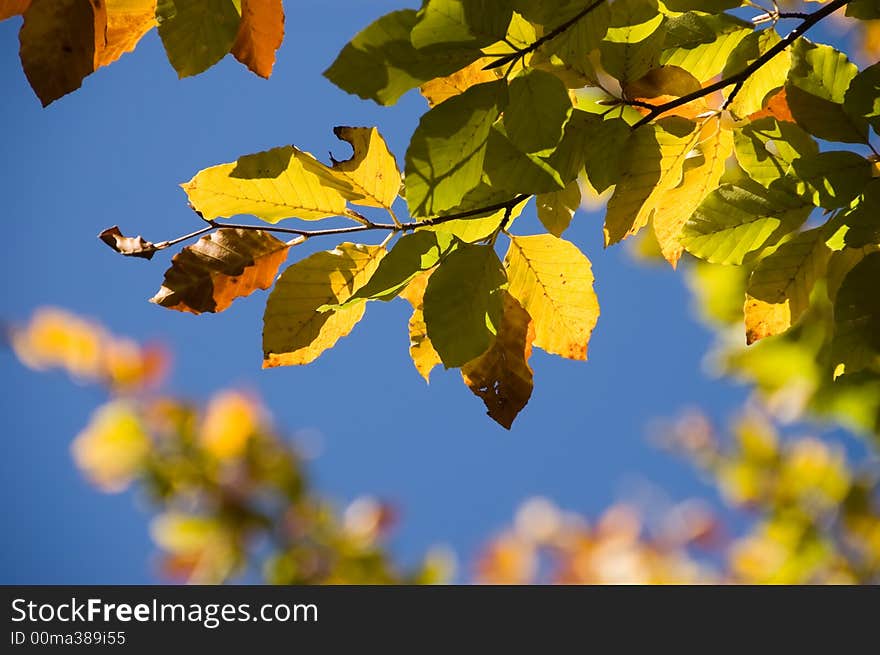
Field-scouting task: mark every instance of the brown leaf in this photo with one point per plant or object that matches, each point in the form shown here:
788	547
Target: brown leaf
127	22
10	8
259	35
59	39
502	376
128	246
218	268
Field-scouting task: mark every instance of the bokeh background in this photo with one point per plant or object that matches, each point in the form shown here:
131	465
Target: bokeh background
114	153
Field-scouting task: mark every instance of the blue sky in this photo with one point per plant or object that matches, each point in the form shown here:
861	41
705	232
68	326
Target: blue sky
115	151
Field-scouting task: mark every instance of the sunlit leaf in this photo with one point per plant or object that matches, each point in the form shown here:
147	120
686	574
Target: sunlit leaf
439	89
259	35
502	376
779	288
371	170
766	148
708	45
127	22
758	86
227	264
422	352
634	40
466	24
9	8
553	281
294	331
862	99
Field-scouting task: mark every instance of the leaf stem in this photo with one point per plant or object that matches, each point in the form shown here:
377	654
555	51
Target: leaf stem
738	79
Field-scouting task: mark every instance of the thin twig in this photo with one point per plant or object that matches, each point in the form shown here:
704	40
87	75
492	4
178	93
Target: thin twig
739	78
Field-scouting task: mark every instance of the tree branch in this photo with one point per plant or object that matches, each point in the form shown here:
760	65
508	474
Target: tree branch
549	36
738	79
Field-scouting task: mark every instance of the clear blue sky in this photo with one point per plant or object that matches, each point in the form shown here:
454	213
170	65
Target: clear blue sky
115	151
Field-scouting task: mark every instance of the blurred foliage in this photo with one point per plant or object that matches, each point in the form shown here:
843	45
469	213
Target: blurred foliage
232	495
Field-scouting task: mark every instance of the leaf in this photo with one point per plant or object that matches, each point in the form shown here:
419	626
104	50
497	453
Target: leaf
218	268
553	281
197	33
463	305
771	76
127	22
856	342
653	163
440	89
10	8
698	180
372	170
421	350
502	376
510	171
381	63
703	44
129	246
259	35
862	99
445	156
476	228
579	141
832	179
59	41
766	148
413	254
738	218
272	185
556	209
816	89
779	288
469	24
575	44
634	40
603	155
294	331
863	219
537	111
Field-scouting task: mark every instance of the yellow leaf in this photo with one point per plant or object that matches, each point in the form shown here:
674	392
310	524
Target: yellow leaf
294	331
223	266
653	163
779	288
259	35
231	419
443	88
10	8
372	170
127	22
676	205
272	185
421	349
59	42
502	376
112	449
553	281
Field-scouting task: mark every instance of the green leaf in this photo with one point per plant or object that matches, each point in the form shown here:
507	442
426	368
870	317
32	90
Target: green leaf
832	179
537	111
453	24
445	156
511	172
863	9
703	44
294	331
702	5
862	99
197	33
381	63
634	40
760	84
411	255
816	89
653	163
856	342
863	219
553	281
463	304
555	210
574	45
739	218
577	143
766	148
778	292
603	156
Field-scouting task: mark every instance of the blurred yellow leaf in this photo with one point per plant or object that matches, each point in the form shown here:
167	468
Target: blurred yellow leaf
231	419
